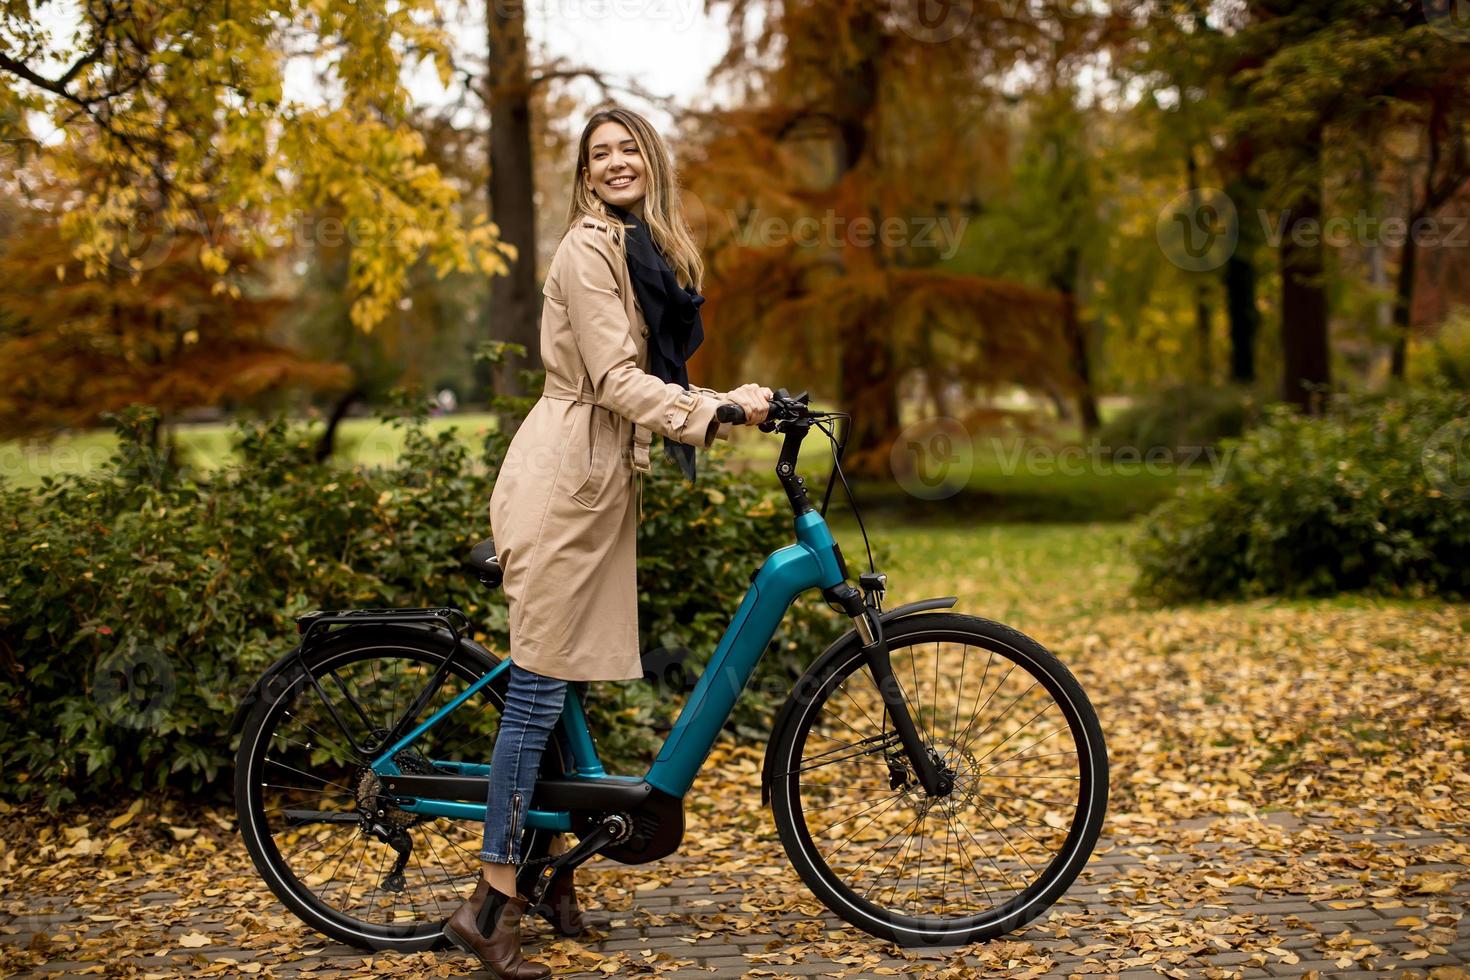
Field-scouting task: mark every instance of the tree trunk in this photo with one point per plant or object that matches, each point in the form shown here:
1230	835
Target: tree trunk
1245	318
934	384
1240	277
1076	331
328	442
1403	305
1202	330
1064	410
1202	316
1445	131
870	394
867	374
1065	281
512	309
1306	356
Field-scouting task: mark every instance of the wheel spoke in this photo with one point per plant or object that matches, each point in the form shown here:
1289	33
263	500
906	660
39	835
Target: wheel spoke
324	782
1014	701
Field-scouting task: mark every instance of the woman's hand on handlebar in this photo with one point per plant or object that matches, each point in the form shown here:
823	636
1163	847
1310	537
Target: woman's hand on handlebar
754	399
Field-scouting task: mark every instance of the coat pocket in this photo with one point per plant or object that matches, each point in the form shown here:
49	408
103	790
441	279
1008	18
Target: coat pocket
601	458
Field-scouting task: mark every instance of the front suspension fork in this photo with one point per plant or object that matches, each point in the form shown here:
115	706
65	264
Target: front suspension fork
936	781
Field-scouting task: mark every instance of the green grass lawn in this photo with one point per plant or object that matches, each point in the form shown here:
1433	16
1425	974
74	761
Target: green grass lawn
999	570
991	477
362	441
1001	478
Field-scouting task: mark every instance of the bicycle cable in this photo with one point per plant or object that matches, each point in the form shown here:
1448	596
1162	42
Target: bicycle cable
837	446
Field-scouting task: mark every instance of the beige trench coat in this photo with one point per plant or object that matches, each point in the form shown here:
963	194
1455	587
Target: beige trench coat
564	511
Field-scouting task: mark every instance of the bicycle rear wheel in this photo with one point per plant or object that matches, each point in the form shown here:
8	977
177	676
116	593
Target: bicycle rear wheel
350	865
1030	783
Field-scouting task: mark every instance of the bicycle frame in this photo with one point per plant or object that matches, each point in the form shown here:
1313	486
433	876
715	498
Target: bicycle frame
812	562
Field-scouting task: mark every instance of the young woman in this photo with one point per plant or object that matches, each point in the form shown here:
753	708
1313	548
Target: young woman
621	315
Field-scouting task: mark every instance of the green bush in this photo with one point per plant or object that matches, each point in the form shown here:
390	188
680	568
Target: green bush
1444	357
1370	497
1186	417
141	602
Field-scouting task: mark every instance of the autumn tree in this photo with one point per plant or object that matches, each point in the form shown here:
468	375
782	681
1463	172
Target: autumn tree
868	135
182	111
196	325
1324	75
1438	113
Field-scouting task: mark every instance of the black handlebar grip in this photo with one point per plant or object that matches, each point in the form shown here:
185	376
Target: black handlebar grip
730	413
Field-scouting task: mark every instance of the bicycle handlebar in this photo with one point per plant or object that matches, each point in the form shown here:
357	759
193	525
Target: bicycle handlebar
791	415
783	407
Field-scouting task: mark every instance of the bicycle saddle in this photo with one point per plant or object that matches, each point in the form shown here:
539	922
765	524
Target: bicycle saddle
484	564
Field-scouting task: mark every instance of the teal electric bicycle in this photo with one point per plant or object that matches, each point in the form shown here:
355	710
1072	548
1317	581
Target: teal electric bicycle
935	778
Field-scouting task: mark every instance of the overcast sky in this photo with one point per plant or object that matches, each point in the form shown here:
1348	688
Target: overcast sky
666	47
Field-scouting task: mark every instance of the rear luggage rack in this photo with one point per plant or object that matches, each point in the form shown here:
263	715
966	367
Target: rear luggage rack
308	625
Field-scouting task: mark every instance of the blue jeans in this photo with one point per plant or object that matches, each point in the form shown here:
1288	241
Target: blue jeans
533	704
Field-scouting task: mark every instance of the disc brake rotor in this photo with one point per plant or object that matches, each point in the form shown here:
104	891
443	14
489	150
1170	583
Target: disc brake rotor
965	782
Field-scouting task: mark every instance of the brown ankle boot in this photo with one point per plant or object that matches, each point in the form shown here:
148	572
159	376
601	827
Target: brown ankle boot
500	951
559	906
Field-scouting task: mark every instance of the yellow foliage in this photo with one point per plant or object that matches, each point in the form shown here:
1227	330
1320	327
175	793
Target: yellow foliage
206	117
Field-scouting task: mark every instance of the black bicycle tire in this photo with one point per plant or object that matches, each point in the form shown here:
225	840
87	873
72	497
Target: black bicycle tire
338	650
915	931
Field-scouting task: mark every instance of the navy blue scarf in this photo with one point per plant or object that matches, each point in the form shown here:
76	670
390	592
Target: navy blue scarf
672	314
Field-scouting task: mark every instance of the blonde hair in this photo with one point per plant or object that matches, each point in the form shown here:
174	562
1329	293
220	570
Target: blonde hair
663	212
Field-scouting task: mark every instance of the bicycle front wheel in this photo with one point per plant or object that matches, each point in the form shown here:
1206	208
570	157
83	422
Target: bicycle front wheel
1029	766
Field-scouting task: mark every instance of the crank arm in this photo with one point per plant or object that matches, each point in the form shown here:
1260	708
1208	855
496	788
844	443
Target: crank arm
612	829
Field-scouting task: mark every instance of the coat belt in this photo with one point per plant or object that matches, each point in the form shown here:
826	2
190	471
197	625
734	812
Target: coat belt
563	390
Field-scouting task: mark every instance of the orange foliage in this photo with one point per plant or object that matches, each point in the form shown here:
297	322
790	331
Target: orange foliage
72	347
862	118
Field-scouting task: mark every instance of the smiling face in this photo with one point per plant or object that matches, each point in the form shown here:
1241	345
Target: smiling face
615	169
